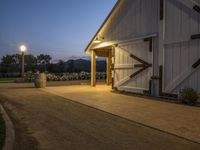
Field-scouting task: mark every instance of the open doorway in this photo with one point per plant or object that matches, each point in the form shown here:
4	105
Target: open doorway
101	70
105	54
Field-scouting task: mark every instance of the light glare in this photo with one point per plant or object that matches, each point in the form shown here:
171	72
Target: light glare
97	41
22	48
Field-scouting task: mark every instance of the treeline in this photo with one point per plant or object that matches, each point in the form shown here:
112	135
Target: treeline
12	64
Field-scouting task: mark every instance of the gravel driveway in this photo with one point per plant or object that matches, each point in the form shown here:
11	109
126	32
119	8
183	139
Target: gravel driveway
49	122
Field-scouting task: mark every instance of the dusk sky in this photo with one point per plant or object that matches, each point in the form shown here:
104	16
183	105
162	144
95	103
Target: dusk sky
61	28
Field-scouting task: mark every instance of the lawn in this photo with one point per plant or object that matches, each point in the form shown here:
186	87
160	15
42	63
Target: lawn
7	80
2	132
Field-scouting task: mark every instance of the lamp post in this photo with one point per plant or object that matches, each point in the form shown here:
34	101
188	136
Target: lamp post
22	49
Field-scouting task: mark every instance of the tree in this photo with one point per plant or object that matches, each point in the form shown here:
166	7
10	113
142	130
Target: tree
61	66
30	62
43	60
10	63
71	66
9	60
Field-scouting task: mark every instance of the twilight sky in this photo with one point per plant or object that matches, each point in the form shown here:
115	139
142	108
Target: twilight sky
61	28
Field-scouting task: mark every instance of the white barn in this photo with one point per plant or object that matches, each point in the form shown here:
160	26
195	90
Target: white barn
152	46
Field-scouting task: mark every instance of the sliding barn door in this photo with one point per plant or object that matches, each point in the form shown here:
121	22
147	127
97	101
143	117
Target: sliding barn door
133	66
181	47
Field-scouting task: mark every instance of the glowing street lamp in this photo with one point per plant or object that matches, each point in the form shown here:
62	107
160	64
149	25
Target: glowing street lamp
23	50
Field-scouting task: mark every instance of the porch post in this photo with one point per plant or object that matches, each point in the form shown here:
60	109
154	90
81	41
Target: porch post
93	68
108	68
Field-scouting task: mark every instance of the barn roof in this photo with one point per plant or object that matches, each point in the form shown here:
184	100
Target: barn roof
114	9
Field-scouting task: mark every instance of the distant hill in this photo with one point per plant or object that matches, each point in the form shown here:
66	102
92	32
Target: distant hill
84	65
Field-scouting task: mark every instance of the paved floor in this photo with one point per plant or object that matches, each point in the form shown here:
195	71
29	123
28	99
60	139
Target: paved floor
177	119
56	123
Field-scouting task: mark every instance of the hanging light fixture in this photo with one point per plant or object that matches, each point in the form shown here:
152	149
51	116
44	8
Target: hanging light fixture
98	39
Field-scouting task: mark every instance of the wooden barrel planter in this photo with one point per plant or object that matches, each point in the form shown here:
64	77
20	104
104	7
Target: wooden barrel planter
40	80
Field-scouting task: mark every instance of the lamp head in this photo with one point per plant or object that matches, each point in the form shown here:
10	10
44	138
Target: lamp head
22	48
98	39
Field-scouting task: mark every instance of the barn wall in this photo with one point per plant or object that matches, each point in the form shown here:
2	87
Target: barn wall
173	48
179	51
197	1
135	18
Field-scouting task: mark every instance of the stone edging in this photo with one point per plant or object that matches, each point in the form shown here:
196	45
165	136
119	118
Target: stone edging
10	133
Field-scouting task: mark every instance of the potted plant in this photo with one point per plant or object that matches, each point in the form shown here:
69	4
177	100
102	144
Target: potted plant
40	80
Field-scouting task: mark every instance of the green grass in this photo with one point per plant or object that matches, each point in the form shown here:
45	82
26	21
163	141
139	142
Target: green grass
7	80
2	132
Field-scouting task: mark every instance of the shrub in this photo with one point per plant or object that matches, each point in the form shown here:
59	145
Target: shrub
29	76
188	96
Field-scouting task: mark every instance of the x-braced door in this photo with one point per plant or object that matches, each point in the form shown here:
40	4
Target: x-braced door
133	66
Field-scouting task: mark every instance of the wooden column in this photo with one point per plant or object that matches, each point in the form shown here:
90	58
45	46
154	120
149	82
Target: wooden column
93	68
108	69
112	67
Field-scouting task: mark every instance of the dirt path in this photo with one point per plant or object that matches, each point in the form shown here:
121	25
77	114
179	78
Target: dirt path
49	122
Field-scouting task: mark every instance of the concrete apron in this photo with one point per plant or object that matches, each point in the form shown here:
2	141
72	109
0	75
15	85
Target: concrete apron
179	120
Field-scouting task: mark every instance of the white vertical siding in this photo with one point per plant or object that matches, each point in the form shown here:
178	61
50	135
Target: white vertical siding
135	18
180	53
197	1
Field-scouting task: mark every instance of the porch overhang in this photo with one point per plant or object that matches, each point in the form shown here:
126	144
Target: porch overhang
114	10
103	49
